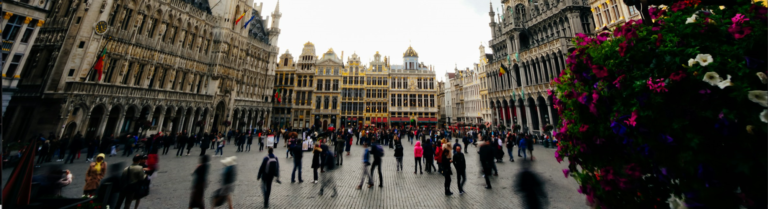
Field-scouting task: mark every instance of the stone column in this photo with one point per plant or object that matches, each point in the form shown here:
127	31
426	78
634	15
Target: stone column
182	118
551	117
542	68
523	75
538	112
523	117
86	120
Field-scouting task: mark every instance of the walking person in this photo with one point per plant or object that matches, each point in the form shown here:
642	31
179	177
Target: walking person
398	154
220	148
167	143
461	166
341	142
205	143
377	151
446	166
298	154
366	163
530	141
63	145
328	176
269	170
191	141
74	148
228	178
94	174
417	154
199	182
45	151
465	140
439	156
522	146
429	156
92	144
316	153
250	141
180	143
134	174
261	143
486	158
510	147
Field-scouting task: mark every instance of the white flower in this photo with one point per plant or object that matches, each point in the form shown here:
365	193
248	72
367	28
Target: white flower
763	77
676	203
725	83
691	19
663	7
759	97
691	62
704	59
712	78
764	116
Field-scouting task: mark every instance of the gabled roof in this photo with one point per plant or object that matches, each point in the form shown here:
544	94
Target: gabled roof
200	4
451	75
257	28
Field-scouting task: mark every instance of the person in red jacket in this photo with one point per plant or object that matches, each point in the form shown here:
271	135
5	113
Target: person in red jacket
439	156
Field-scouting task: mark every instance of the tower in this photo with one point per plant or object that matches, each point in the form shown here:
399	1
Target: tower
493	21
274	30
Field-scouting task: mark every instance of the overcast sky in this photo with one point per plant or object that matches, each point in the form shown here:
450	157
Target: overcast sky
445	33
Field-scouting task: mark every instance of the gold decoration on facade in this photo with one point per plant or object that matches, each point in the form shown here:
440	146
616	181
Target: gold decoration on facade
8	15
410	53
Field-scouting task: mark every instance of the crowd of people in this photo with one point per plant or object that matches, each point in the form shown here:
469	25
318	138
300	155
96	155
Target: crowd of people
432	148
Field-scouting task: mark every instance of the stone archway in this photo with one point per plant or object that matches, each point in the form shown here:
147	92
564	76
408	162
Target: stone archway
129	121
543	111
534	114
70	130
219	115
112	121
96	117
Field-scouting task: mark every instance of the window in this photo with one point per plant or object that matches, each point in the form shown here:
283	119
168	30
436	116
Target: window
632	10
128	74
12	28
127	20
327	84
615	10
111	70
113	16
319	85
317	106
336	70
311	80
14	64
599	21
335	85
432	100
344	81
81	45
28	33
607	13
368	93
334	103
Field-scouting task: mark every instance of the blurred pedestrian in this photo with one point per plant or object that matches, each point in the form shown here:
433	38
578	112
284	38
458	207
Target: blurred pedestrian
316	153
298	154
269	170
74	148
45	151
446	165
134	174
461	166
398	153
249	142
205	143
486	160
531	188
228	179
199	181
328	176
366	163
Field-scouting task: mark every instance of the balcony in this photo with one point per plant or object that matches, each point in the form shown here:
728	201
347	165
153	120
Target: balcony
326	111
7	45
129	91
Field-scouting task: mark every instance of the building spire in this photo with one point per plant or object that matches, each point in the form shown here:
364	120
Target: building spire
277	8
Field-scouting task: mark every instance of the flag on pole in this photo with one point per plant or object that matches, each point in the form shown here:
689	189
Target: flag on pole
276	95
99	67
248	22
239	18
502	70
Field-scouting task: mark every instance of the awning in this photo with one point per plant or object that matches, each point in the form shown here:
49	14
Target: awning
394	119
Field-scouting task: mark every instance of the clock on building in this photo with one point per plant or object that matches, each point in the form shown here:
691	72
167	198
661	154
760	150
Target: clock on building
101	27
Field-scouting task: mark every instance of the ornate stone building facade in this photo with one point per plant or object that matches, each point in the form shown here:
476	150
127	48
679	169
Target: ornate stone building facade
170	65
531	38
330	93
610	13
21	23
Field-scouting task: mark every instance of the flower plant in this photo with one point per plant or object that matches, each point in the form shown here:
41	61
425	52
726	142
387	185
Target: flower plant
670	114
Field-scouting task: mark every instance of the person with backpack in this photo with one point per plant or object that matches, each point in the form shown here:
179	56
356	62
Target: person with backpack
269	170
461	169
366	163
398	153
377	151
297	155
510	147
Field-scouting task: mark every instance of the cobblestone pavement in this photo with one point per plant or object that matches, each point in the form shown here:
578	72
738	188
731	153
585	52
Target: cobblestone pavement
171	186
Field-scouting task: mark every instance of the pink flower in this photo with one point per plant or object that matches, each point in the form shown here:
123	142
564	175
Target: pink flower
595	96
549	92
583	127
739	31
599	71
557	80
565	172
558	157
631	121
618	80
593	109
739	19
658	40
583	98
658	87
623	48
677	76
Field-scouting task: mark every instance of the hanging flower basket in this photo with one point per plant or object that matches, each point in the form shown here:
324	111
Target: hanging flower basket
669	114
